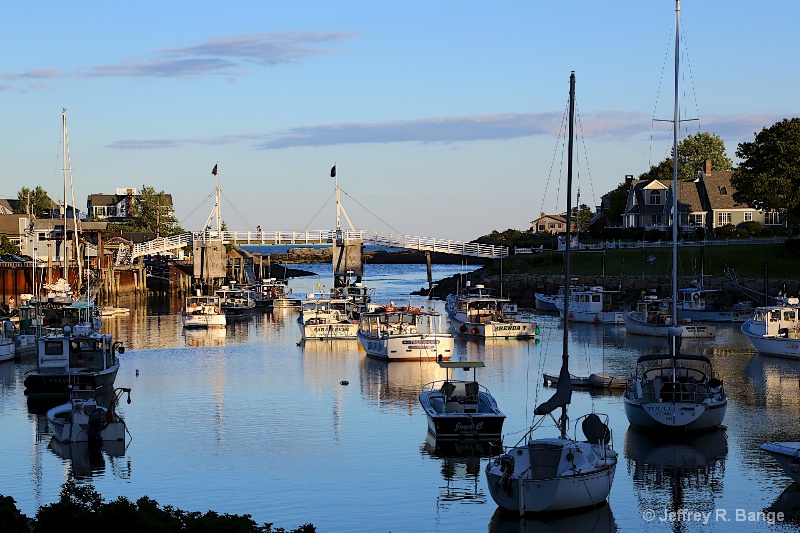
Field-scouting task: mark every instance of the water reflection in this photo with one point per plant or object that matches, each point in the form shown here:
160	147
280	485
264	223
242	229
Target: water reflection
460	468
83	460
787	503
205	337
671	473
397	382
597	520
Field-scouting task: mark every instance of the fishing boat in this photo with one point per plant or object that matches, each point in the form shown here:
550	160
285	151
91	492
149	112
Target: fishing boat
461	409
594	305
84	419
557	473
326	318
695	303
654	317
274	293
202	311
787	454
477	312
404	334
674	391
235	302
79	357
775	329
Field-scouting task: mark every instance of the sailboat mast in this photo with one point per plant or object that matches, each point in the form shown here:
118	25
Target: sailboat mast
565	348
64	162
675	216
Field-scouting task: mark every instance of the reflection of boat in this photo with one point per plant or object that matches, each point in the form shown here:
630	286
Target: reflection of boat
404	334
87	459
458	408
461	469
787	454
787	504
79	357
476	312
203	312
775	329
83	419
664	469
114	311
205	337
597	520
558	473
593	305
459	447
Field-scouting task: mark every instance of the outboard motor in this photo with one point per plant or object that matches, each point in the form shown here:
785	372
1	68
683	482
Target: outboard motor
507	468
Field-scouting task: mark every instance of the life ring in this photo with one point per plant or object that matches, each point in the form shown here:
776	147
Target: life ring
696	297
463	328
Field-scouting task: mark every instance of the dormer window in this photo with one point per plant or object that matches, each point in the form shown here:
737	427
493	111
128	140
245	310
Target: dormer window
655	198
723	190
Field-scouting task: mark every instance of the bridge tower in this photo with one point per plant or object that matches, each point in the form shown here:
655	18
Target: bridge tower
348	258
209	253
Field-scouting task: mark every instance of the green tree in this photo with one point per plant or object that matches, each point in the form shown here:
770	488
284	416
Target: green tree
8	247
151	211
693	151
582	216
33	201
618	199
768	178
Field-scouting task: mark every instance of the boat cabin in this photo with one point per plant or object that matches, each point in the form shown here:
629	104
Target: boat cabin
777	320
75	351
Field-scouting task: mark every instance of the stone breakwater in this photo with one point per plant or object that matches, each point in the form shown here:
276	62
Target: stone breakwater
521	288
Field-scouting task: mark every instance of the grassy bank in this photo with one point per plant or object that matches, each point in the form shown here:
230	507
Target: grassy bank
748	260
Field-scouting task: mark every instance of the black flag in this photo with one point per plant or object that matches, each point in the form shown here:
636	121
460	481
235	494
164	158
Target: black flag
333	171
214	171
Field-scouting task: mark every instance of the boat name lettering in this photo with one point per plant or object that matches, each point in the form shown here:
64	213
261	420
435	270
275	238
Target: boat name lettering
421	342
460	426
507	328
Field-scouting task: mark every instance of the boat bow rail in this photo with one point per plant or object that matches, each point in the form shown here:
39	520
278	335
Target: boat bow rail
127	254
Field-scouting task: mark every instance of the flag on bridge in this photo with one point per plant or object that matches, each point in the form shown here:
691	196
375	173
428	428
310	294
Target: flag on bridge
333	171
214	171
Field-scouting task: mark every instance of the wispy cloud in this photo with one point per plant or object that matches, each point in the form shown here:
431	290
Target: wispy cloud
607	126
226	56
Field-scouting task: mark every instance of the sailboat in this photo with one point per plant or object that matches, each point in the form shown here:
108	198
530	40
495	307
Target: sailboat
675	391
558	473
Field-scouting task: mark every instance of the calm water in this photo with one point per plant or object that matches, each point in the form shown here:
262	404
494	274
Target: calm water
249	422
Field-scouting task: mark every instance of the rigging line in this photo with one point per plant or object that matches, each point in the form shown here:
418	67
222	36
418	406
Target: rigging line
246	223
370	212
196	208
667	54
585	158
319	210
688	68
561	132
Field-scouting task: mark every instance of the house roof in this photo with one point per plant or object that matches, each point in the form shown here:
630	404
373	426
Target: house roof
10	224
689	197
720	191
558	218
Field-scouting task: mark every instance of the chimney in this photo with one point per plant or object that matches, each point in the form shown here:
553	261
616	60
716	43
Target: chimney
708	167
628	179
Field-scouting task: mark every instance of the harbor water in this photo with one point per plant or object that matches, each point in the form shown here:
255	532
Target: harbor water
249	420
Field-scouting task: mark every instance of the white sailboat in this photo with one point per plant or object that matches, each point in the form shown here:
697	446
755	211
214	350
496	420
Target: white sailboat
674	391
558	473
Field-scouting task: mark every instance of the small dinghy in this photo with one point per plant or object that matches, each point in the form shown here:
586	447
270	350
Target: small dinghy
788	456
83	419
577	381
608	381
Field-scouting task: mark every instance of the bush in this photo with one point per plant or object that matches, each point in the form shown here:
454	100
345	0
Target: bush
751	227
728	230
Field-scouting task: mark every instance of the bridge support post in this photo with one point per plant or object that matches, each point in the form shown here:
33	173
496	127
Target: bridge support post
430	274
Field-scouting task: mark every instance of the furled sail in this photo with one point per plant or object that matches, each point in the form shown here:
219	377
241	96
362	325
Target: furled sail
563	394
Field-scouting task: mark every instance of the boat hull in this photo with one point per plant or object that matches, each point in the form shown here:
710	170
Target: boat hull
65	430
782	346
546	302
728	317
8	350
481	420
689	331
204	321
787	454
412	347
339	330
674	416
495	330
600	317
46	384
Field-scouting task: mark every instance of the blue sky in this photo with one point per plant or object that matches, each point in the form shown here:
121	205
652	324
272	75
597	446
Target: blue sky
443	117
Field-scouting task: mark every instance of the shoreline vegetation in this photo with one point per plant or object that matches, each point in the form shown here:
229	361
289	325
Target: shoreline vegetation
81	508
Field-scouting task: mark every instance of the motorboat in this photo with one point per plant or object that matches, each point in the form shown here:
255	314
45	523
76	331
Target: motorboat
561	473
775	329
458	408
787	454
202	311
594	305
326	318
576	381
78	356
84	419
550	302
695	303
357	294
404	334
477	312
236	303
653	317
8	346
274	293
675	392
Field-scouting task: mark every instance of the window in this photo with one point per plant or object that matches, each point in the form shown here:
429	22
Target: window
748	216
541	227
656	220
723	218
655	198
696	219
772	218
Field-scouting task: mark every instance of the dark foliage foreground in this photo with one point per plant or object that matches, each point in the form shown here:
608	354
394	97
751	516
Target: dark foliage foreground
81	508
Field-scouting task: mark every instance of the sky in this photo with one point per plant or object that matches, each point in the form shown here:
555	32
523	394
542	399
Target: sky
445	119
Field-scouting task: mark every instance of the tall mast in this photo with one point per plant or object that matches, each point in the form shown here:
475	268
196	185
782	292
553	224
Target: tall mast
64	164
675	217
565	348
